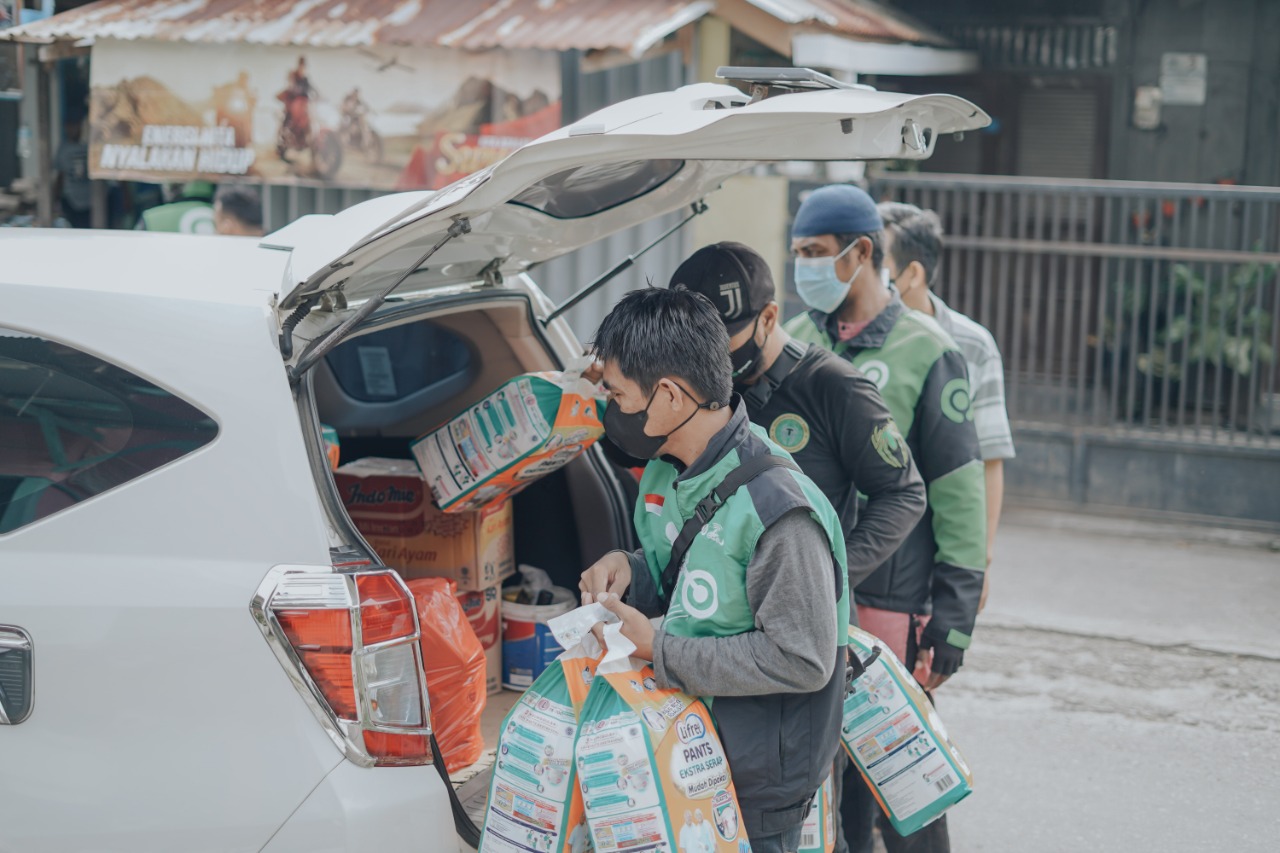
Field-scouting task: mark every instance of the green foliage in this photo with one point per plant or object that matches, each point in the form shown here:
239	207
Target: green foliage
1215	322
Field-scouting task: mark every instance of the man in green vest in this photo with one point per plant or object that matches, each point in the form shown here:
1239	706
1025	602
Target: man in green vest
756	608
191	212
923	601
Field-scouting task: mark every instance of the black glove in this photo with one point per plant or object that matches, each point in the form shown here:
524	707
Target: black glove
946	657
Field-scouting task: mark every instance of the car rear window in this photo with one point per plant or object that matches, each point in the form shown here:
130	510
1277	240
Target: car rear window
73	426
397	363
588	190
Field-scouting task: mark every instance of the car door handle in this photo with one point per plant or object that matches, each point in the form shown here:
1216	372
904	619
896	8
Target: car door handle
16	657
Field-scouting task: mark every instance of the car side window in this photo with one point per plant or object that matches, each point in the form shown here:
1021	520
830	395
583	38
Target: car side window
73	426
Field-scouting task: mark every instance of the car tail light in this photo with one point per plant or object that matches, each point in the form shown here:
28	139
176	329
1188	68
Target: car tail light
350	641
386	608
322	640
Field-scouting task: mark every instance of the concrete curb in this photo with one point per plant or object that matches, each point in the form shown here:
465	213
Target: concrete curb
1128	528
1008	623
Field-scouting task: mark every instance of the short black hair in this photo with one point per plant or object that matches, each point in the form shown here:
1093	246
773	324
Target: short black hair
241	201
917	236
657	332
877	245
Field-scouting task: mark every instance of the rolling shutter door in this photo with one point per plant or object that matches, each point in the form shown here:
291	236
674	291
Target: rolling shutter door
1058	133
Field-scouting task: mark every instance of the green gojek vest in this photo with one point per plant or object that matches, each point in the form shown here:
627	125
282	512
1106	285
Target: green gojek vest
710	596
906	357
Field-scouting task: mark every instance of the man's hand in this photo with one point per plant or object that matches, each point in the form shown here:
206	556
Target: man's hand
944	660
595	372
635	626
610	574
986	586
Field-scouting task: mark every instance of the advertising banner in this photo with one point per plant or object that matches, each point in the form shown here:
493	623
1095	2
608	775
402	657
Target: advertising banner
378	117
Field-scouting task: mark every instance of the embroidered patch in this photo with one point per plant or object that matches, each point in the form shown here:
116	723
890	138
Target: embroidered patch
790	432
888	442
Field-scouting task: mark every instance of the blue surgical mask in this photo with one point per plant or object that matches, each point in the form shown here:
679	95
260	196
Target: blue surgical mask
818	285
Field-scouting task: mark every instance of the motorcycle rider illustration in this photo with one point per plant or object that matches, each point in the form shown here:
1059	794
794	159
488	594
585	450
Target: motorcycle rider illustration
297	109
355	128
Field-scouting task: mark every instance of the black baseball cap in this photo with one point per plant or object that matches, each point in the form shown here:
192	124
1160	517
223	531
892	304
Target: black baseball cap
734	278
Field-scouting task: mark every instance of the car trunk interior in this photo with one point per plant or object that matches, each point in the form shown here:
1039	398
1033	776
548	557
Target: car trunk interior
383	389
410	371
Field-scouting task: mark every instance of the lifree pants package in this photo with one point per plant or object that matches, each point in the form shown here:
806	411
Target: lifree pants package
651	767
896	738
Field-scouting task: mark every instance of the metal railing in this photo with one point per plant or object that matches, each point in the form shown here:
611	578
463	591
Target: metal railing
1145	309
1061	47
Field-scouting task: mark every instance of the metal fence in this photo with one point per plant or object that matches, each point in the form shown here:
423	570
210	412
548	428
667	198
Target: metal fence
1141	309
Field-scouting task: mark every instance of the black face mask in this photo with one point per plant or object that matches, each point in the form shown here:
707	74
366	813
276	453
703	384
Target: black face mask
626	429
745	360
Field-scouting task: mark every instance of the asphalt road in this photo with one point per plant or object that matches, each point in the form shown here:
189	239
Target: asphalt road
1106	704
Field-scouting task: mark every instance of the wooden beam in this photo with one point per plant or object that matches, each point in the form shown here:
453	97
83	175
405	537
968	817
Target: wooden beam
44	156
62	50
712	48
761	26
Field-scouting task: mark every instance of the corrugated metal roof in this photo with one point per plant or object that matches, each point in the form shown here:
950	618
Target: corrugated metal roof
861	19
628	25
470	25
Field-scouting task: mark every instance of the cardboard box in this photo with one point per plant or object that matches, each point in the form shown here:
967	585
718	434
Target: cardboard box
391	506
484	612
532	425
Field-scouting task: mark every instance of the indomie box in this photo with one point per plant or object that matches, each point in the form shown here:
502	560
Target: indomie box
390	505
529	427
483	608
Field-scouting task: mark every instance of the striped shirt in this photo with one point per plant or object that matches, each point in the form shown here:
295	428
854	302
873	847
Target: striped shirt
986	379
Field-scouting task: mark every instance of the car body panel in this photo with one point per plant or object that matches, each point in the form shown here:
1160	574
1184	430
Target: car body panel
383	808
159	710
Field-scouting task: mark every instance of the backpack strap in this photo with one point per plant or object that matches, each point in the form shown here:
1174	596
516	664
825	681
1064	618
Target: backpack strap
709	506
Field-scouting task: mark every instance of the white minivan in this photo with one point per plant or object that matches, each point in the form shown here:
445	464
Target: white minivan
198	651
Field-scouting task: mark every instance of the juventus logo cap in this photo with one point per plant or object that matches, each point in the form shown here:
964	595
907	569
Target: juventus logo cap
736	280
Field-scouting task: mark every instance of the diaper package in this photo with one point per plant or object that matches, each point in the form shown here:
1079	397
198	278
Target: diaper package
892	732
530	426
650	765
535	805
819	832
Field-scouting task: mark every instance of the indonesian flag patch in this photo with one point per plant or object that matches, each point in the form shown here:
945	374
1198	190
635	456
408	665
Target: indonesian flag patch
653	504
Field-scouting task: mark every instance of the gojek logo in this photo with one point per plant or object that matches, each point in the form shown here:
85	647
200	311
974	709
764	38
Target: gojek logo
877	371
691	728
699	593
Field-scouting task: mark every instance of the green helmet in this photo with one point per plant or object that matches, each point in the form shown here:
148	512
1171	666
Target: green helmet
198	189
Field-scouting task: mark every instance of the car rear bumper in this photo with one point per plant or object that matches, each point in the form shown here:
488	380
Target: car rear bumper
383	809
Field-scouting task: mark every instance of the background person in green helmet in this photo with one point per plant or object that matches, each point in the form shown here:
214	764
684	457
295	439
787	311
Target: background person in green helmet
190	212
755	612
923	602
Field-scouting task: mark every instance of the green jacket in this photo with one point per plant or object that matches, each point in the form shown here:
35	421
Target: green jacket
191	216
710	599
779	740
923	380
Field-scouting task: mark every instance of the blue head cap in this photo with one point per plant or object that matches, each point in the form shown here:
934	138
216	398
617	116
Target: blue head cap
836	209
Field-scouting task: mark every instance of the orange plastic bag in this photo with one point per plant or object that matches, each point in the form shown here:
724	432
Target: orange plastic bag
455	667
